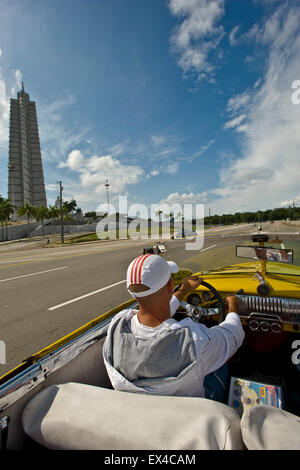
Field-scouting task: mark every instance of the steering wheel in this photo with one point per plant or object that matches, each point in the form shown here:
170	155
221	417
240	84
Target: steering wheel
216	299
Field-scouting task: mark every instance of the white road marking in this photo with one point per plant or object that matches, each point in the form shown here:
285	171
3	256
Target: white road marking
32	274
85	295
17	260
204	249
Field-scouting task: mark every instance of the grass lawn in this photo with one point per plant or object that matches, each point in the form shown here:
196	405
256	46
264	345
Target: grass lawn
91	237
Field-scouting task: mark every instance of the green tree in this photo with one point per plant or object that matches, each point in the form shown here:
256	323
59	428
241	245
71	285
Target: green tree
41	214
159	214
6	210
2	216
54	213
91	214
29	211
69	207
67	218
170	217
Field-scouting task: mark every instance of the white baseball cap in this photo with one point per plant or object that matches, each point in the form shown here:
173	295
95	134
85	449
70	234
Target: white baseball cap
150	270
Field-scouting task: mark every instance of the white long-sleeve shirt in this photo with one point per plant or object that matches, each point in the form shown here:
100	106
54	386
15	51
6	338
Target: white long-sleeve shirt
199	349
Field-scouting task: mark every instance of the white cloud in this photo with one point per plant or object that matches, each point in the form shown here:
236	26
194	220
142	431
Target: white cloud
198	35
249	59
172	168
232	36
295	201
165	152
185	198
236	123
119	148
18	78
202	150
238	101
268	171
6	84
56	140
52	187
158	139
75	161
4	114
93	172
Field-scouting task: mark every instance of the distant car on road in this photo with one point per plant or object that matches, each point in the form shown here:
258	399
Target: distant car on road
185	233
272	221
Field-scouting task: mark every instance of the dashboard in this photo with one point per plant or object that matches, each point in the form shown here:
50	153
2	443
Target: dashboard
264	314
269	313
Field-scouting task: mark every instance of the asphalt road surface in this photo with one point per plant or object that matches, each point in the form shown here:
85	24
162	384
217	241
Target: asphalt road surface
46	293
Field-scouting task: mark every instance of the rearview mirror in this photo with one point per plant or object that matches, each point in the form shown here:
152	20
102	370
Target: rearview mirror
265	253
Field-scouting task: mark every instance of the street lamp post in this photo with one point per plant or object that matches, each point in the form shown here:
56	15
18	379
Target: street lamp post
61	212
294	209
107	185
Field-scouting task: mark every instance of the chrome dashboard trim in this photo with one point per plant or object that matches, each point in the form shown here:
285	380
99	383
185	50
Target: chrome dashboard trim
283	309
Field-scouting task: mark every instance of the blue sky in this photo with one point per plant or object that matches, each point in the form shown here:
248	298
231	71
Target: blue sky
174	101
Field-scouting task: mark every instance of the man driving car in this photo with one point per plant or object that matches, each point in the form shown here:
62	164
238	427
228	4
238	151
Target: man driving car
148	351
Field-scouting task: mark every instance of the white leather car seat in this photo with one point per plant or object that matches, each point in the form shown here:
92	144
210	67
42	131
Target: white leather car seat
268	428
85	417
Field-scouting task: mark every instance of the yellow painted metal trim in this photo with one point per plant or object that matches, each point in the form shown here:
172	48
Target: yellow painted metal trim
13	372
290	327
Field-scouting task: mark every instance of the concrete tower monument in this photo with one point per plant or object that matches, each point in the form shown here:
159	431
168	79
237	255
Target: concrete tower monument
25	174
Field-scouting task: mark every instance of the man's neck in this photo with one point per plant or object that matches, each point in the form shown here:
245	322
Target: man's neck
153	317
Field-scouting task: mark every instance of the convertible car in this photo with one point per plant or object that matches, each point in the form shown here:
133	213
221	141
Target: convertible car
61	397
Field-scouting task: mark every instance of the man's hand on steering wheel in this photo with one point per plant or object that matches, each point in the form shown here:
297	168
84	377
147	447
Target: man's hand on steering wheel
232	303
189	283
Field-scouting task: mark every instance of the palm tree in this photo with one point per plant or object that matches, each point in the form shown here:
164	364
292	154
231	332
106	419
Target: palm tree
67	218
2	216
9	210
28	211
181	216
159	214
170	217
54	213
6	210
41	214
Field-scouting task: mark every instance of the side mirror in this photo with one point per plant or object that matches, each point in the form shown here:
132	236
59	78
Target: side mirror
265	253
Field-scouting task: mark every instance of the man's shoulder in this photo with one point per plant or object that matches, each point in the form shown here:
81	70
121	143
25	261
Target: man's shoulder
127	314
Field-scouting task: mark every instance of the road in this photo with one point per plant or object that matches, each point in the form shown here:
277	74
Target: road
45	293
